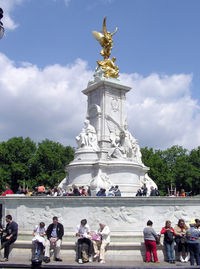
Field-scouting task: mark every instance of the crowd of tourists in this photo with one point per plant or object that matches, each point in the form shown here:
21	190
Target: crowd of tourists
57	191
144	191
186	239
86	191
91	245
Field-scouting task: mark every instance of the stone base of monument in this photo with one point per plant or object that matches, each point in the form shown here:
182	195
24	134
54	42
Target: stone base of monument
125	216
104	174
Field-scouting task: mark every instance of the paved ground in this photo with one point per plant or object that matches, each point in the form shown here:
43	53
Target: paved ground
114	264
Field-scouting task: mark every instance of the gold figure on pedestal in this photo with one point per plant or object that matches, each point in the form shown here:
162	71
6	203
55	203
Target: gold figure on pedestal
106	41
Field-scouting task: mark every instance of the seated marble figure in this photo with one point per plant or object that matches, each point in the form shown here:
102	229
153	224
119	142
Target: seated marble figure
87	137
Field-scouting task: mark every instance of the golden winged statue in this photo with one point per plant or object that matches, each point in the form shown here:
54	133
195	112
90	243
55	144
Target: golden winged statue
106	41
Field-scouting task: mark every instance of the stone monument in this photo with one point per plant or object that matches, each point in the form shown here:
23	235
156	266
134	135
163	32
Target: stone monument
107	154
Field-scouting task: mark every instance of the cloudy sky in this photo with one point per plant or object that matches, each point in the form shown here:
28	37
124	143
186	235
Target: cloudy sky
48	54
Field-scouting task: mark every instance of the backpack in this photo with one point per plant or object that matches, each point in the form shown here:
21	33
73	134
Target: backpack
168	237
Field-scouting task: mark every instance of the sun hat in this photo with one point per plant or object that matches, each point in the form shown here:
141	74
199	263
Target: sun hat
192	222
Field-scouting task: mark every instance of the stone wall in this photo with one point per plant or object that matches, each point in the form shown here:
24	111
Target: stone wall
125	216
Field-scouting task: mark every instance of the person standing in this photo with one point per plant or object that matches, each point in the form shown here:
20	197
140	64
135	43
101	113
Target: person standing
150	242
144	190
41	189
192	235
7	191
83	232
117	191
104	232
169	234
89	191
153	191
11	231
55	232
180	239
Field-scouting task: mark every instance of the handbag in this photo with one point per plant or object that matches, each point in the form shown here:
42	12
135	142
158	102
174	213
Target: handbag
96	237
177	240
183	240
158	239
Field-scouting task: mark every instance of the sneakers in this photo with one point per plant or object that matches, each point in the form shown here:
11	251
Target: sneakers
46	259
4	260
90	259
102	261
157	262
181	259
96	256
58	260
186	258
80	261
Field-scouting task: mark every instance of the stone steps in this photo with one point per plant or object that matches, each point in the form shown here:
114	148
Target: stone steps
71	245
72	238
127	251
122	247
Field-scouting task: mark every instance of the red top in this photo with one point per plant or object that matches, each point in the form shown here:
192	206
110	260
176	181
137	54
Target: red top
41	189
164	230
7	192
83	192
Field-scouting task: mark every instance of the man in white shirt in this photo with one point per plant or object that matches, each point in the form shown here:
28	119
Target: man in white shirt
83	232
104	231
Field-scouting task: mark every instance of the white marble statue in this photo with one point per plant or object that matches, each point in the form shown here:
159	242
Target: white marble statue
124	145
88	137
130	145
101	180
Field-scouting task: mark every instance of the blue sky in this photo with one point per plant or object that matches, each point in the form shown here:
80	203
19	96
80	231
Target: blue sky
48	54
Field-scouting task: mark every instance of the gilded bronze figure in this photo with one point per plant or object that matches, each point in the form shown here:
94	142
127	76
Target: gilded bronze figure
106	41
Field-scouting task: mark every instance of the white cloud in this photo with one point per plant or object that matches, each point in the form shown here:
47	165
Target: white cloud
161	110
65	1
8	6
45	103
48	103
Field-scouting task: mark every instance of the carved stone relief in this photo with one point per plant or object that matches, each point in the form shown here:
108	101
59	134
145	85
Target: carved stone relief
115	104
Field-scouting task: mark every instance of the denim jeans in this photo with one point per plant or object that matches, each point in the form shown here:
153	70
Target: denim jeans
39	249
170	250
194	253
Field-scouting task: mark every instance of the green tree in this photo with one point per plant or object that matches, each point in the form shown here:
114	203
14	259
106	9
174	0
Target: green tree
173	166
15	158
159	171
194	160
49	163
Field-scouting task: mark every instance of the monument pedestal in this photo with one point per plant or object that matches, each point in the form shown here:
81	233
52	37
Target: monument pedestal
104	174
107	153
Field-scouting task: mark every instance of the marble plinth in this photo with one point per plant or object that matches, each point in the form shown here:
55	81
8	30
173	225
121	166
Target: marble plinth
102	174
125	216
